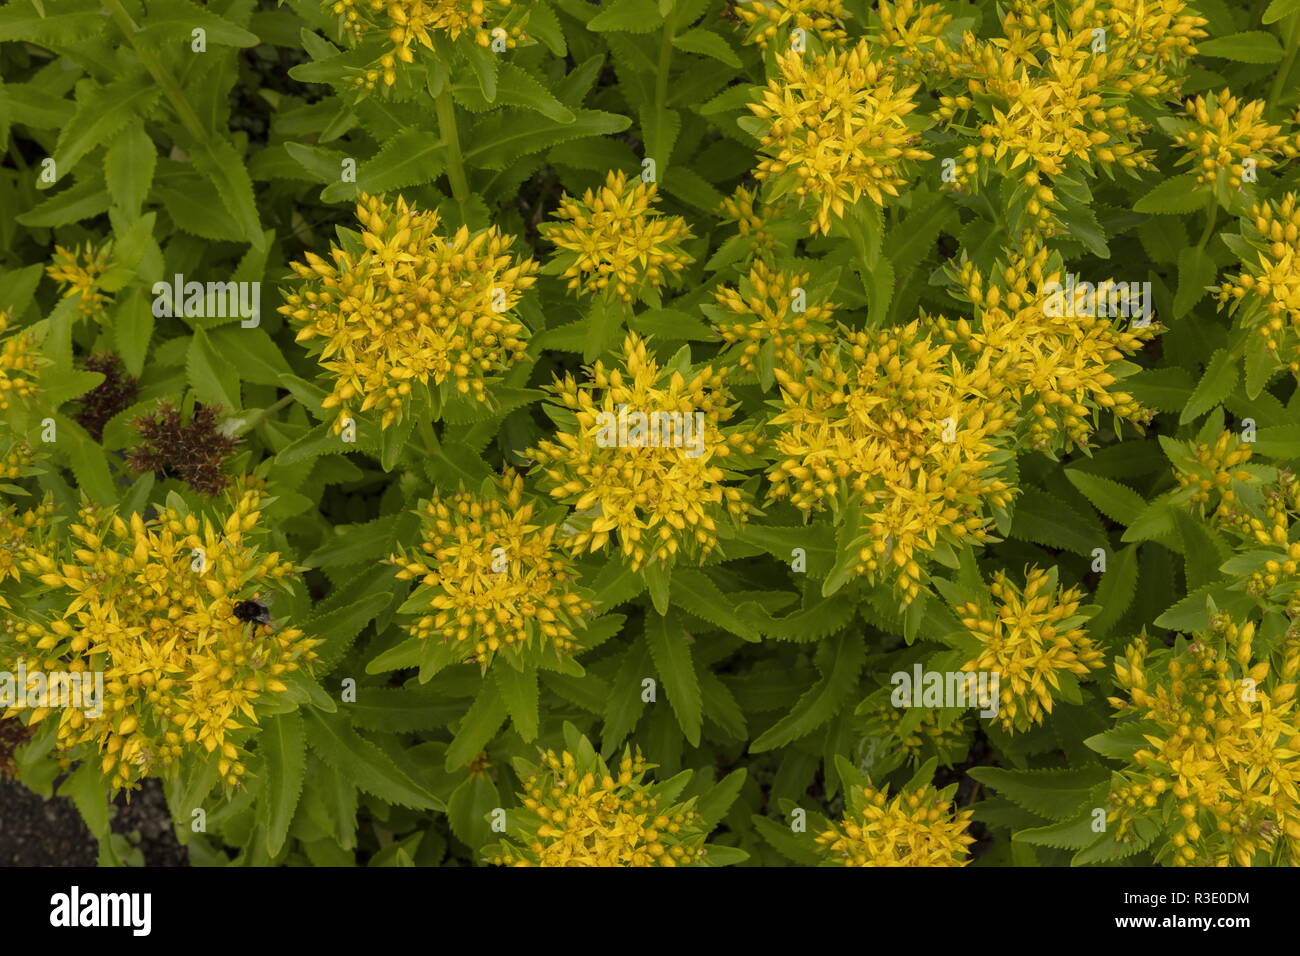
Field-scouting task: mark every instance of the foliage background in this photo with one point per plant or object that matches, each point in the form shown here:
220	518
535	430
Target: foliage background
226	164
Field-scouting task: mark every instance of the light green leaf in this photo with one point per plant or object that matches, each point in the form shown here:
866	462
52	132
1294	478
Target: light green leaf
670	648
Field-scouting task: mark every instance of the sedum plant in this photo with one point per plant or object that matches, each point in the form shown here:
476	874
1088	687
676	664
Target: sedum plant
655	432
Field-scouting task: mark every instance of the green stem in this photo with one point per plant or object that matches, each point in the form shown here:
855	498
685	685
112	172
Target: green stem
446	109
665	59
424	428
662	70
261	416
1211	218
1292	46
166	82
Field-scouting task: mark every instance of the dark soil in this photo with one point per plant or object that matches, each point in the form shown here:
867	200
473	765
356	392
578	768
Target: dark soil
37	832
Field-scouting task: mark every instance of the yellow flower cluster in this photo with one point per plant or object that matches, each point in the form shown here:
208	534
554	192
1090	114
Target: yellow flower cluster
936	730
836	130
491	577
919	828
613	242
1209	474
770	310
20	362
151	604
768	19
752	219
16	459
1055	367
1267	290
1061	94
1033	638
637	456
411	307
911	32
409	25
21	534
577	813
1222	760
79	272
890	423
1225	132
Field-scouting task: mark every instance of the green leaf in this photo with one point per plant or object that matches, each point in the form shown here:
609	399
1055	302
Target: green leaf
479	725
1279	10
1252	46
221	165
214	380
624	706
87	460
1203	550
411	158
1220	378
254	355
1175	196
508	134
670	649
694	591
1116	591
1054	794
332	738
517	87
519	691
339	628
283	746
1042	519
102	112
1195	272
628	16
709	44
844	656
1116	501
128	168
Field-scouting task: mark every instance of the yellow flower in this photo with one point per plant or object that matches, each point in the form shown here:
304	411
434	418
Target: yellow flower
890	424
1060	93
640	453
1225	132
770	310
911	31
1056	363
22	533
614	242
151	604
753	220
16	459
1266	292
939	730
491	577
913	829
768	19
1219	777
411	307
836	130
1209	475
409	25
79	271
577	813
1032	637
20	362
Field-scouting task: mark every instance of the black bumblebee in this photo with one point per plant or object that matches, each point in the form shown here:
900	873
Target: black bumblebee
253	611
